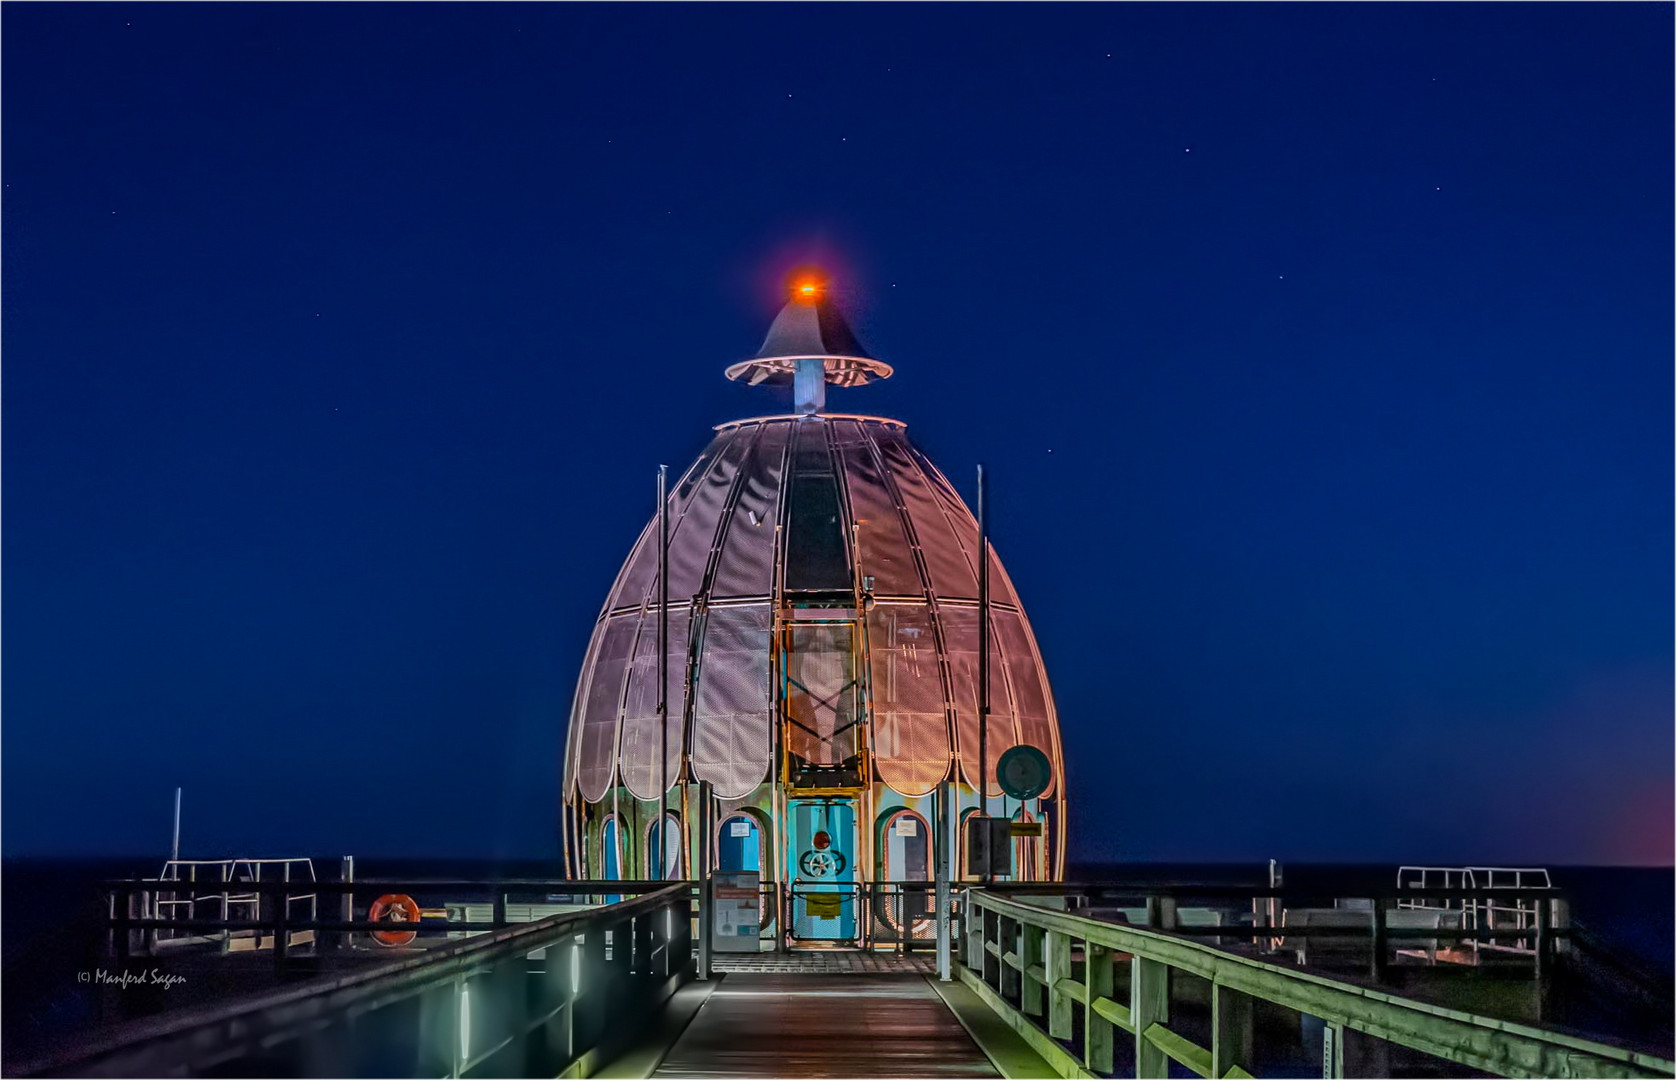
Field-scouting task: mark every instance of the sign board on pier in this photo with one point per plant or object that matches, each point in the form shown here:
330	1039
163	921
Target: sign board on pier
736	900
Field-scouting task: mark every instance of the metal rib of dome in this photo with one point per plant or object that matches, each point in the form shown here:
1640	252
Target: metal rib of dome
787	507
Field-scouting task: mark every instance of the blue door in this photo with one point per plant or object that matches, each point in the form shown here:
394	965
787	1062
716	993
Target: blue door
821	858
740	846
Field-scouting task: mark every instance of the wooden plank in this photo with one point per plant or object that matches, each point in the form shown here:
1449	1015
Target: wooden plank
1096	1029
1058	971
1230	1025
1149	1004
1073	989
1009	1051
1030	962
824	1025
1177	1048
1054	1054
1116	1014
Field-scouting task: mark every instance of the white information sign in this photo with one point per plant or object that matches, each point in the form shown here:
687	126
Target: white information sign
736	900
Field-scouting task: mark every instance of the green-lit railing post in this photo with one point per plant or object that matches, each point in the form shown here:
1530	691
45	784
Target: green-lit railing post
1012	979
563	965
1230	1025
1030	942
434	1044
459	1046
595	980
1058	966
1096	1029
508	991
988	959
1149	1003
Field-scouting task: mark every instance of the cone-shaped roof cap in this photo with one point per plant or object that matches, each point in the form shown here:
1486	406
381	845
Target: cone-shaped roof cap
810	327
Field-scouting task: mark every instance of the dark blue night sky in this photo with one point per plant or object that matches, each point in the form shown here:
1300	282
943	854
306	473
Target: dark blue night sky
1321	355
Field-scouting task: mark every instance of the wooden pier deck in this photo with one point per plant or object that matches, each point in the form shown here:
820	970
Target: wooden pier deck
825	1025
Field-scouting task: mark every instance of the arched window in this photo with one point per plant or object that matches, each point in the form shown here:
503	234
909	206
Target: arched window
739	844
960	847
611	850
906	847
664	848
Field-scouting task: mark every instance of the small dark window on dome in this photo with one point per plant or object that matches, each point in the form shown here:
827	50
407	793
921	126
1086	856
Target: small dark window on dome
816	555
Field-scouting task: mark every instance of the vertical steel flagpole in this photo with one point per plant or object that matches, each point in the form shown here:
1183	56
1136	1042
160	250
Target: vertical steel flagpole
663	669
983	657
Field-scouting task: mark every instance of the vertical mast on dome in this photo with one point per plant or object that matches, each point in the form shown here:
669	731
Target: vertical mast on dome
809	345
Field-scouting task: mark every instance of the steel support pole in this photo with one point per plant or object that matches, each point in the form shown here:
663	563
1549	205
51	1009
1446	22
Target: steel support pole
706	916
346	902
943	860
983	666
663	668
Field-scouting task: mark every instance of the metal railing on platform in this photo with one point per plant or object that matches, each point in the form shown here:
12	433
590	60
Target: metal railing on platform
233	901
139	922
1068	983
531	999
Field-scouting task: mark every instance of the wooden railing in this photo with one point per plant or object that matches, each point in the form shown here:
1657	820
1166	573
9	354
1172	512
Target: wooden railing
1022	959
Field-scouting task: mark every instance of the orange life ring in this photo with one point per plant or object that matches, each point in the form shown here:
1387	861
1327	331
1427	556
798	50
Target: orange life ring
396	908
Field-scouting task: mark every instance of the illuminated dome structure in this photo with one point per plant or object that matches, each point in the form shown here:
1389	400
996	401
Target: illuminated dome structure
822	656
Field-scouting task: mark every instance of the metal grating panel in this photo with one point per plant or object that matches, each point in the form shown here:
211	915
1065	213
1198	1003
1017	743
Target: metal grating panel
1024	666
964	524
573	738
691	543
745	566
730	704
883	547
642	741
597	757
640	570
951	574
960	639
910	731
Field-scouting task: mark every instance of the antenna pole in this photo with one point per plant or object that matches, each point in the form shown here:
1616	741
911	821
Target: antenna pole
174	848
983	652
663	668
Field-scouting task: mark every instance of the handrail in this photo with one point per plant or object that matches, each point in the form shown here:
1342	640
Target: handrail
1017	956
648	955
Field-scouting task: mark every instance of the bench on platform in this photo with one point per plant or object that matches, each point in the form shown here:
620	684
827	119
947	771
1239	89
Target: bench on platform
1348	946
